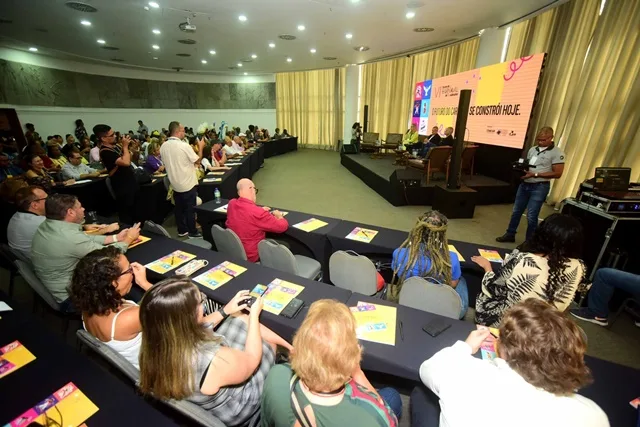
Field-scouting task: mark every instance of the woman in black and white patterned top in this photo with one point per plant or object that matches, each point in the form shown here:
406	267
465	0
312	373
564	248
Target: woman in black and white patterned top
546	267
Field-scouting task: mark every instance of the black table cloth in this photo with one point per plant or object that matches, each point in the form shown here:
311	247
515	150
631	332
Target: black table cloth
93	195
275	147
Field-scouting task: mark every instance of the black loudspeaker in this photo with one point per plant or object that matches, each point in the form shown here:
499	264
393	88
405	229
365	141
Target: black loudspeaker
350	148
409	177
366	118
455	203
458	145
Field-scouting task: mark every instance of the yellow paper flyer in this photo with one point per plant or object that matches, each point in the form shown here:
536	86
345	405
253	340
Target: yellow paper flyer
14	356
310	225
279	293
362	234
455	251
169	262
375	323
219	275
222	209
140	240
492	256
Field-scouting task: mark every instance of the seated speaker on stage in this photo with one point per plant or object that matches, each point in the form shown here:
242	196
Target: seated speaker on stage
432	141
448	138
410	139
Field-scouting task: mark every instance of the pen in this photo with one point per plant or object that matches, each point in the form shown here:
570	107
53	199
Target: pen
401	331
365	233
172	257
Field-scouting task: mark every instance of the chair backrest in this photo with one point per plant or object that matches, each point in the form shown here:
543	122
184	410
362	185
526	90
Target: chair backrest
394	138
154	228
194	413
438	157
228	242
435	298
277	256
110	187
8	257
166	182
109	354
468	153
354	272
370	137
38	287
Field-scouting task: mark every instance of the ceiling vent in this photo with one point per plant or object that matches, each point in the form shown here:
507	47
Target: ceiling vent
423	30
177	68
117	59
187	41
329	58
361	48
110	48
184	55
286	37
233	68
81	7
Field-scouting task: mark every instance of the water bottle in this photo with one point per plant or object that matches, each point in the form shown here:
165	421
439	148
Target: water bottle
216	195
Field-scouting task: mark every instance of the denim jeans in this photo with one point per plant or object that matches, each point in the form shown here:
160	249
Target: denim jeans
462	290
530	196
392	397
425	408
185	210
605	282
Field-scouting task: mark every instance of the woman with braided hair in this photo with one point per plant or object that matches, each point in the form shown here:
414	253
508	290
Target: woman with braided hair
547	267
426	254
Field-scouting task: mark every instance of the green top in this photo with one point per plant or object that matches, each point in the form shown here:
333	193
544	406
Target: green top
410	138
351	411
56	249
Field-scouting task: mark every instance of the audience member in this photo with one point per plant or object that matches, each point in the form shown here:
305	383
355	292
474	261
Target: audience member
229	149
250	133
180	163
448	139
154	164
237	144
209	161
324	382
8	169
80	131
425	253
182	357
250	221
117	161
605	282
85	147
70	140
218	153
276	134
94	153
285	134
60	242
37	175
48	164
547	266
8	190
75	169
142	128
31	135
56	155
99	284
24	223
534	380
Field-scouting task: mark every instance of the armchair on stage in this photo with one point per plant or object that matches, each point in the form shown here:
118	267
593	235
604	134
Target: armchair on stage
438	159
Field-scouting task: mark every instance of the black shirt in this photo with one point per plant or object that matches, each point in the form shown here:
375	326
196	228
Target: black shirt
124	179
447	140
434	139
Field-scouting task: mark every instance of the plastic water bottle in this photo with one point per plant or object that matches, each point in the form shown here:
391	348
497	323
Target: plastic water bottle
216	195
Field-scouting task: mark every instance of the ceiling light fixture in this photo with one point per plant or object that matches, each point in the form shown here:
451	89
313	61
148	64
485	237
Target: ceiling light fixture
349	35
155	31
410	15
100	41
86	23
155	46
212	52
239	64
146	8
204	61
423	30
481	32
155	57
361	48
242	18
289	59
254	56
154	4
33	49
272	45
312	50
301	27
246	74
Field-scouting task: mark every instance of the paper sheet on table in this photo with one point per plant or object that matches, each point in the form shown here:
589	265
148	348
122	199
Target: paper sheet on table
489	345
140	240
222	209
159	175
362	234
310	225
81	181
13	357
215	173
169	262
4	306
103	175
492	256
375	323
454	250
74	406
232	164
219	275
279	293
212	180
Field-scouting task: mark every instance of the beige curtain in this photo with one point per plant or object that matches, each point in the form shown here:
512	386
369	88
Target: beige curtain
533	35
601	125
310	105
442	62
386	89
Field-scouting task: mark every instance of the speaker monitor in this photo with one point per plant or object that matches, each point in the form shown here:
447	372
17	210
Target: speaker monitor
455	203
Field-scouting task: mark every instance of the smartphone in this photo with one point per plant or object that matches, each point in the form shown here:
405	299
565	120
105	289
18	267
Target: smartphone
255	293
436	326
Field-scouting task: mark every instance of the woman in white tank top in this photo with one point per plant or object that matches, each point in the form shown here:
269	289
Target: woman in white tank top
100	281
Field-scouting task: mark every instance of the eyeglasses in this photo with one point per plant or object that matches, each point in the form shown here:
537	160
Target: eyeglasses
37	200
127	271
255	188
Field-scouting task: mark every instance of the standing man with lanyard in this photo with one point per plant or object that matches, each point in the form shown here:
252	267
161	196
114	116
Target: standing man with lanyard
181	162
546	163
117	160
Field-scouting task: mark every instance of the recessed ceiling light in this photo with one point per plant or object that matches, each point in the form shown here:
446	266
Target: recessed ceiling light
301	27
349	35
481	32
146	8
100	41
239	64
155	57
155	31
312	50
289	59
33	49
212	52
272	45
155	46
410	15
361	48
254	56
204	61
86	23
154	4
246	74
242	18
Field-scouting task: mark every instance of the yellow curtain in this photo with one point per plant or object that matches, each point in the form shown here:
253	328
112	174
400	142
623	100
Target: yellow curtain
310	105
386	89
601	127
533	35
442	62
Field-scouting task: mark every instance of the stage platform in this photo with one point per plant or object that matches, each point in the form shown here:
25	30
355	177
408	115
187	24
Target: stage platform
381	175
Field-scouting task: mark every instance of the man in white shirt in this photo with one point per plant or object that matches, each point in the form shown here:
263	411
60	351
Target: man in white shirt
75	169
531	383
24	223
181	162
237	144
228	148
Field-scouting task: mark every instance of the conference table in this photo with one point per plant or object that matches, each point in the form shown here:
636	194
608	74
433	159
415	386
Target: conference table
56	365
614	385
275	147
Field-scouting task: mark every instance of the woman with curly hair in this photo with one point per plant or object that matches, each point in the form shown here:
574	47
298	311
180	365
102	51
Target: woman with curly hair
425	253
100	281
547	266
539	368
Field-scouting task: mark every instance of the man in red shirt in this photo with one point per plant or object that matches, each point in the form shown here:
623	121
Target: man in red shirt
251	222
